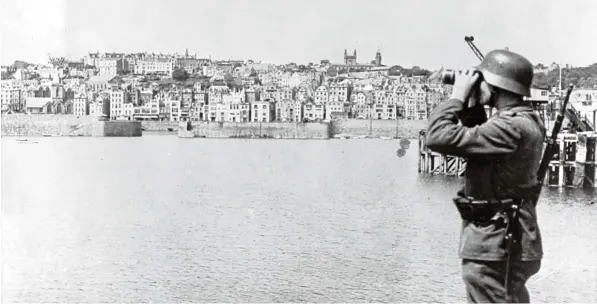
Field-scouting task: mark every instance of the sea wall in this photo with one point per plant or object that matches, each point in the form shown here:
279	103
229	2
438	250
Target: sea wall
66	125
70	125
275	130
46	124
159	126
115	128
347	128
401	128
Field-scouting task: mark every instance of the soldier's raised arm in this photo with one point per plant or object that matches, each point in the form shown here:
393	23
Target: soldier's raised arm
494	138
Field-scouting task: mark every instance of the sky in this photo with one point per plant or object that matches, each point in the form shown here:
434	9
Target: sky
426	33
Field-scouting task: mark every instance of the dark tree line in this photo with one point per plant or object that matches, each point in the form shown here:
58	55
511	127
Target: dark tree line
580	77
414	71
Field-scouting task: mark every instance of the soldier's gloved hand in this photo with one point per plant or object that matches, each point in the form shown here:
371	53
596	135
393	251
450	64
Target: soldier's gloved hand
464	84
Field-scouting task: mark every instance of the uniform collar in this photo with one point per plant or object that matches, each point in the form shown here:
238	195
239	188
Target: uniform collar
515	108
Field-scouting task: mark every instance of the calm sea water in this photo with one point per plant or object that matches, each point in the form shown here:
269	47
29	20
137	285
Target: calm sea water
163	219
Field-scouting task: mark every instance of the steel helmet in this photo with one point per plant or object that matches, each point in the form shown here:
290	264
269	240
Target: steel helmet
507	70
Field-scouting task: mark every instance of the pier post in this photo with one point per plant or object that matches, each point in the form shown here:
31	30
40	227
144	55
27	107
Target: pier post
561	164
570	145
421	148
562	167
590	162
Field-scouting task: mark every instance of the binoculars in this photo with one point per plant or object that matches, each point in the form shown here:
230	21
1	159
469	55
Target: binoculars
449	76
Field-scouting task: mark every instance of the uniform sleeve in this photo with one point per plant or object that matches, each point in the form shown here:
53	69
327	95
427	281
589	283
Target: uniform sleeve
494	138
474	116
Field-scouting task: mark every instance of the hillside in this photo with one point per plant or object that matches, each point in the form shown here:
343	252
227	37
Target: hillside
414	71
580	77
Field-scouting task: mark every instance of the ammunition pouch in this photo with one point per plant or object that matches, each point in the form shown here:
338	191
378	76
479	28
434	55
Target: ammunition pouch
483	210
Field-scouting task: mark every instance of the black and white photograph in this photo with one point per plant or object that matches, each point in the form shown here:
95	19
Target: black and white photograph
298	151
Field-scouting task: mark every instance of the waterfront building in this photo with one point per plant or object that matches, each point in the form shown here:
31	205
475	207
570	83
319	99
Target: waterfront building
186	102
148	111
313	111
118	100
175	108
11	100
81	106
238	112
39	105
263	111
333	108
288	110
101	106
198	109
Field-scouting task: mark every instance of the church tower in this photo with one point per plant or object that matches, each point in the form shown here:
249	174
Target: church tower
378	57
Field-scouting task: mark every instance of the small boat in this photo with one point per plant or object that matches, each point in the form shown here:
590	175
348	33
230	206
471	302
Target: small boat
20	138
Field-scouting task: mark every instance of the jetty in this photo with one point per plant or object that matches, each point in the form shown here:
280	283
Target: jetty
572	166
49	125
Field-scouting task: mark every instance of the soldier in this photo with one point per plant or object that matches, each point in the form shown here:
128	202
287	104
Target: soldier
503	155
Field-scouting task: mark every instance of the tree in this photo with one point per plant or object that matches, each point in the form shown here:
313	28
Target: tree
541	81
21	64
580	77
180	74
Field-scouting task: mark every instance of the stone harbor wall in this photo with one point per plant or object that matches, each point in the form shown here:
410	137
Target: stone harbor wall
363	128
46	124
66	125
271	130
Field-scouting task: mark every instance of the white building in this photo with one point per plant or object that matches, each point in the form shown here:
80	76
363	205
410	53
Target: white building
262	111
80	106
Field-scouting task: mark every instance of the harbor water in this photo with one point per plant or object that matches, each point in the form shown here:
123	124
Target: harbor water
163	219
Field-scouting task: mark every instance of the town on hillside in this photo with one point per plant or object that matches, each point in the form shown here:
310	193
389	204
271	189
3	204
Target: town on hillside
184	87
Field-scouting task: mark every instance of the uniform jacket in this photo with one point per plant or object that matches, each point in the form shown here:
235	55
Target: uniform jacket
503	155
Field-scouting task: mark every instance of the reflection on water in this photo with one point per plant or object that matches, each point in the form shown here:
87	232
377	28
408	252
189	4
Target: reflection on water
163	219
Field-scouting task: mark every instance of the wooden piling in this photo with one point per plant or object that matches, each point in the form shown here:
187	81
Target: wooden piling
421	150
589	178
562	168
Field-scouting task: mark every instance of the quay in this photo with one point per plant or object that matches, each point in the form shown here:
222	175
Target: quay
23	125
572	166
272	130
336	128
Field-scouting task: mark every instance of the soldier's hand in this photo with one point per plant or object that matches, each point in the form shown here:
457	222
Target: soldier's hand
464	84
